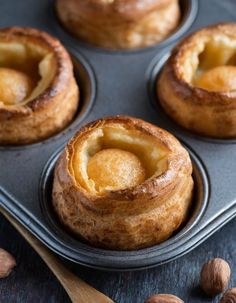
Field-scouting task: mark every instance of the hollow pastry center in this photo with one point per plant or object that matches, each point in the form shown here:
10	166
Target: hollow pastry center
218	79
15	86
115	169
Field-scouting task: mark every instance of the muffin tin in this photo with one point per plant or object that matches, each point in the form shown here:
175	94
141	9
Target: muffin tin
118	82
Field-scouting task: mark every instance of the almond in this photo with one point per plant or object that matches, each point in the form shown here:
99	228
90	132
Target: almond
163	298
7	263
215	276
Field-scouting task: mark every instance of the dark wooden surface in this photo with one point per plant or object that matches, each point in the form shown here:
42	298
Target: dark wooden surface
33	282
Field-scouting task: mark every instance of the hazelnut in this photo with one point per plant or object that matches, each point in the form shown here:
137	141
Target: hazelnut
7	262
215	276
229	296
163	298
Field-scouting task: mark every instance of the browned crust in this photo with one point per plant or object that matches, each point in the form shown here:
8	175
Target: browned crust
36	120
204	112
119	24
71	200
130	10
188	92
153	187
63	70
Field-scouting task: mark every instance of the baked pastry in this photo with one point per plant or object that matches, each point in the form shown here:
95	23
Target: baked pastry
119	24
122	183
197	86
38	92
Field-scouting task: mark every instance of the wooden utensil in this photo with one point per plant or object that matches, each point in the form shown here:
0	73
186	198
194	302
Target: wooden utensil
77	289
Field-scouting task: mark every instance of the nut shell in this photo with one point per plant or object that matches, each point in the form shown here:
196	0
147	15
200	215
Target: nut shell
7	263
215	276
163	298
229	296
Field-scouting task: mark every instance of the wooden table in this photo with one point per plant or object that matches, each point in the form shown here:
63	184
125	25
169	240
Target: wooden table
32	281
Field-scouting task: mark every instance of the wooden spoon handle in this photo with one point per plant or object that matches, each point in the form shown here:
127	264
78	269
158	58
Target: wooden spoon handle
77	289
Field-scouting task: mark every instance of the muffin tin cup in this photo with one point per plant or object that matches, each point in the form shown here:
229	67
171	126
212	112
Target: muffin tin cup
115	82
84	253
86	81
189	10
153	73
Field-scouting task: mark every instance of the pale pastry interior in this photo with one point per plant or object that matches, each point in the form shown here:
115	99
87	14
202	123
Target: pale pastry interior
210	64
15	86
26	70
114	169
218	79
114	158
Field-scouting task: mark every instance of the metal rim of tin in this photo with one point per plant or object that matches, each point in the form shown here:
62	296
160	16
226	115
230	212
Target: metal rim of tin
152	74
66	245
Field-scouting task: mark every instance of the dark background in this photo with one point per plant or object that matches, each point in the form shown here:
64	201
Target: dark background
33	282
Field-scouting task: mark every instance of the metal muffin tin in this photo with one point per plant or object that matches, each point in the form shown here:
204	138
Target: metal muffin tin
117	82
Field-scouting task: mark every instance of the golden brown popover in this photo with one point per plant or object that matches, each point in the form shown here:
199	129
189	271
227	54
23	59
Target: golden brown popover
38	92
197	86
119	24
122	183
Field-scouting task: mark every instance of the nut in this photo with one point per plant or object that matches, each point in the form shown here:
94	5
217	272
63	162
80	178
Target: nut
7	262
215	276
229	296
163	298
